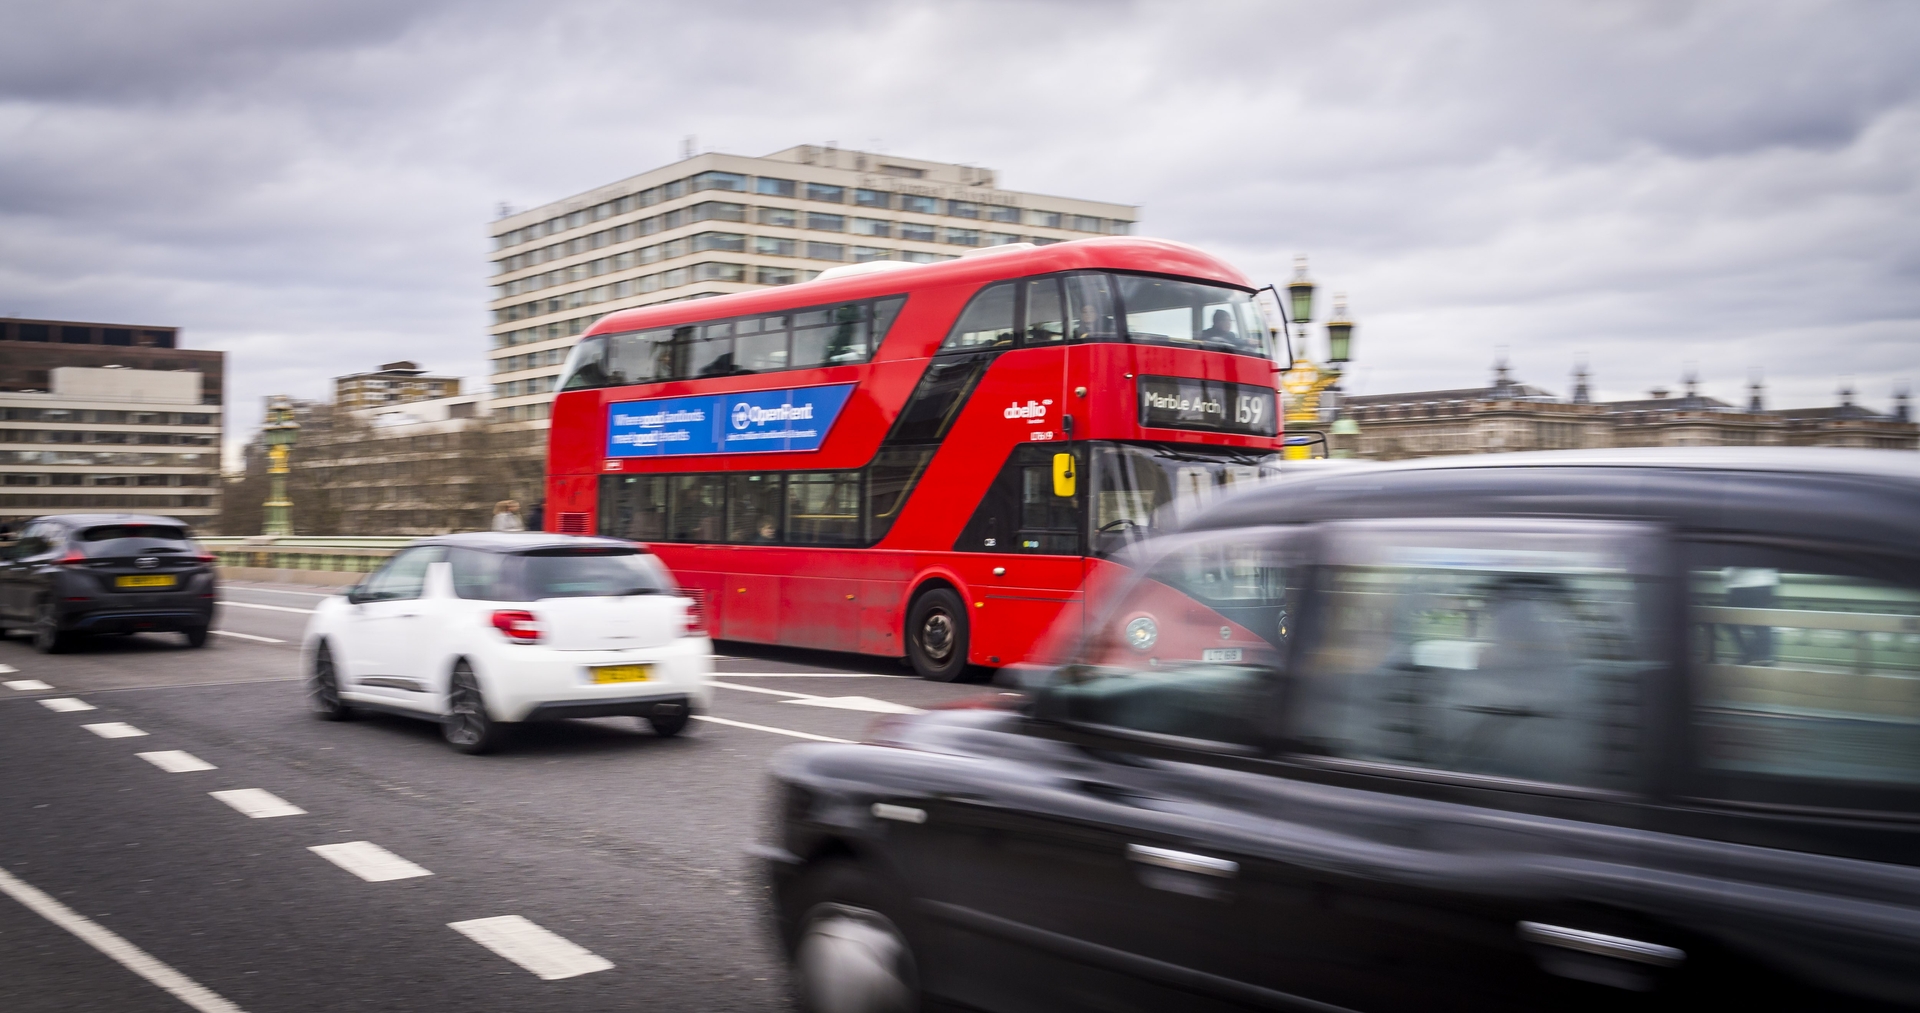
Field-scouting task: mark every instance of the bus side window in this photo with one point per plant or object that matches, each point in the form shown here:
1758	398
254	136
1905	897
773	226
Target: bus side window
823	508
760	346
1046	324
1090	311
699	507
634	507
987	322
641	357
755	510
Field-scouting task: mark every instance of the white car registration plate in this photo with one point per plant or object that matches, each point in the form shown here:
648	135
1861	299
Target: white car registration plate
1220	654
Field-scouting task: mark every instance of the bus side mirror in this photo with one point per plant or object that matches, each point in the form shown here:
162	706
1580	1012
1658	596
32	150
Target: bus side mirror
1063	476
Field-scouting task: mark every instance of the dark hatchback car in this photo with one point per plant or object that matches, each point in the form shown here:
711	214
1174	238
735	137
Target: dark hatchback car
1521	732
75	575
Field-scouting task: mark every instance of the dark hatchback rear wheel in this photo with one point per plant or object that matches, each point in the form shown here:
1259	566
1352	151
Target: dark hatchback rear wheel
48	638
468	727
196	636
937	635
850	954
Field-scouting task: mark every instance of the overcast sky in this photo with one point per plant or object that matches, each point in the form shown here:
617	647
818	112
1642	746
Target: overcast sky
1647	186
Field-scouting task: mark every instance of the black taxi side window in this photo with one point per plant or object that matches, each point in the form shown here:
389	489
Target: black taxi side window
1481	650
1806	675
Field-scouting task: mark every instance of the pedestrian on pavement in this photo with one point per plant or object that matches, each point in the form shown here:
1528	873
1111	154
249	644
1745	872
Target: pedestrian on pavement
537	517
506	516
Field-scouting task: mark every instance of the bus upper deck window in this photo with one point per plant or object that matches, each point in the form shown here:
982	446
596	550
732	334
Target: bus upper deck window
987	322
1090	308
586	365
1046	324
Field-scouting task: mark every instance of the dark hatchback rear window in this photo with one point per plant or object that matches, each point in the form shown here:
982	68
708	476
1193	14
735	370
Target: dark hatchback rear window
115	532
556	573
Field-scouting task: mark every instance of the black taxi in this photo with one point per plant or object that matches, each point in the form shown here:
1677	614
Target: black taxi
1526	731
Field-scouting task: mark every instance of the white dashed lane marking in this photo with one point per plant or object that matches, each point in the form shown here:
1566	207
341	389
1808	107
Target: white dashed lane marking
767	728
369	861
114	729
7	670
247	636
547	955
258	803
27	685
176	761
129	956
65	704
269	608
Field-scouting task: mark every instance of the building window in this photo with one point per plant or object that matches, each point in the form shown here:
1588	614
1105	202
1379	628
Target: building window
864	254
772	246
963	237
827	192
1001	238
719	211
720	181
34	332
916	257
826	222
903	171
963	209
873	198
76	336
916	231
872	227
783	217
773	187
1002	213
732	242
919	205
826	251
1044	219
719	272
1081	223
775	276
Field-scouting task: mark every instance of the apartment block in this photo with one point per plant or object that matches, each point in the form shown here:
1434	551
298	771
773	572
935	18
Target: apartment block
719	223
393	383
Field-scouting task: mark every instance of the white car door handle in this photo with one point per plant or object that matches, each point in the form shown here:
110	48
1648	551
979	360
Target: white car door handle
1183	861
1600	944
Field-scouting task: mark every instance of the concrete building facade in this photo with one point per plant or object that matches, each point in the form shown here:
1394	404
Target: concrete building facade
393	383
718	223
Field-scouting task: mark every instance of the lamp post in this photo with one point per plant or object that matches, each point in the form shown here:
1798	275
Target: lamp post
1308	384
281	430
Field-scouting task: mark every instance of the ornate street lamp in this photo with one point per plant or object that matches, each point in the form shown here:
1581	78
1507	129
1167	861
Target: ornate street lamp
1313	390
1339	332
1300	293
280	431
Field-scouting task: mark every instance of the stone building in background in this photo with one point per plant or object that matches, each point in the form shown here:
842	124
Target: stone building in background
393	383
107	418
1508	416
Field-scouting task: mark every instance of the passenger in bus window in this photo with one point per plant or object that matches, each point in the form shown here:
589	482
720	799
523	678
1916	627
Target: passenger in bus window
1221	329
1091	299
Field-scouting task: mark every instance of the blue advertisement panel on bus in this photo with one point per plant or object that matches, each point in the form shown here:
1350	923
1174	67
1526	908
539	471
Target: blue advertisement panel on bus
747	422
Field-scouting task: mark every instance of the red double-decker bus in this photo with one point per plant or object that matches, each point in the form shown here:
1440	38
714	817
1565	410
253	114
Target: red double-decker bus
931	461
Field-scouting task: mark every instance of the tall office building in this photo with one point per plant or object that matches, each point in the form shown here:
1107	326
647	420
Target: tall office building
714	223
107	418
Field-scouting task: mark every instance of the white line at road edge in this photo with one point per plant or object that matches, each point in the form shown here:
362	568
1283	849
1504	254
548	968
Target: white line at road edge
258	803
762	689
548	956
845	703
369	861
114	730
247	636
176	761
25	685
768	728
129	956
275	590
269	608
808	675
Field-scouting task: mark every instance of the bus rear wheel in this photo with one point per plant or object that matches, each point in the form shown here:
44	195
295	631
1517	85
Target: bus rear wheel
937	635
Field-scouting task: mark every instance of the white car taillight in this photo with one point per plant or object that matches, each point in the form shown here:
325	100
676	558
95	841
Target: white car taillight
520	626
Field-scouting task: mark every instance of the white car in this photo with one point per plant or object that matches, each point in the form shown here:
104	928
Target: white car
483	631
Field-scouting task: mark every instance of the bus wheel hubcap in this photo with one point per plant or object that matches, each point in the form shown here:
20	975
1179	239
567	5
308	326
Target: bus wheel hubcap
936	635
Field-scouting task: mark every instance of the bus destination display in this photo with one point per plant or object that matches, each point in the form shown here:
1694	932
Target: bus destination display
747	422
1217	406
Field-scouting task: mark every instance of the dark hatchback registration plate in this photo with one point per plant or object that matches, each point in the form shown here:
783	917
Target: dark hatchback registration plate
144	580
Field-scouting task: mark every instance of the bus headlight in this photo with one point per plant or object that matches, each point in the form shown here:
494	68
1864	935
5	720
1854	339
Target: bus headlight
1142	633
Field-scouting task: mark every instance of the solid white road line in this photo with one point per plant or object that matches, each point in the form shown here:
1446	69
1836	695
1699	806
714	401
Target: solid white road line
129	956
247	636
25	685
857	703
759	689
269	608
811	675
767	728
547	955
369	861
114	730
275	590
176	761
258	803
65	704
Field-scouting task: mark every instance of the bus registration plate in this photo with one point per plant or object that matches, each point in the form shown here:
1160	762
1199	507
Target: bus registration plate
621	673
1220	654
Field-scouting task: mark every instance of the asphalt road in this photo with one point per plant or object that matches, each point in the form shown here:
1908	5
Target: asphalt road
592	866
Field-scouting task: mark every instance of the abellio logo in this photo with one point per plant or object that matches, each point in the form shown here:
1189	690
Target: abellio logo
1032	410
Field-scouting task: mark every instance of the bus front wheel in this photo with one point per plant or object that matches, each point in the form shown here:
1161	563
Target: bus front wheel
937	635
